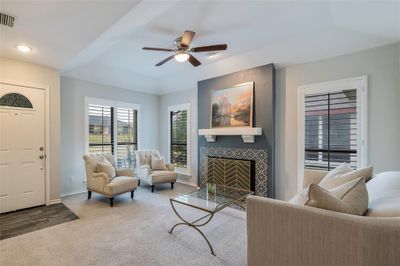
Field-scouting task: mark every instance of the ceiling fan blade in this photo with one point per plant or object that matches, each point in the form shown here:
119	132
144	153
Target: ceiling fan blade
209	48
165	60
187	38
194	61
158	49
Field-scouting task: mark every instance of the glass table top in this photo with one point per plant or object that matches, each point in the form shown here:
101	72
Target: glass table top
212	198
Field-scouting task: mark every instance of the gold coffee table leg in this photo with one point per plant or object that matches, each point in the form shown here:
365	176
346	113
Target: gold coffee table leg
194	225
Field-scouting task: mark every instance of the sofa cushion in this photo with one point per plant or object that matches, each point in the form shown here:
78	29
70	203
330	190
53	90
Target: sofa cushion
157	177
121	184
384	195
107	168
341	175
351	197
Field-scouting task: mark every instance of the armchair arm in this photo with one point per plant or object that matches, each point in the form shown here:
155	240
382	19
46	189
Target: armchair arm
102	177
144	171
170	166
281	233
124	172
97	182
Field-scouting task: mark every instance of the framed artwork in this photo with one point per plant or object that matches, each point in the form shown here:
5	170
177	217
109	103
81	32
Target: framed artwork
233	107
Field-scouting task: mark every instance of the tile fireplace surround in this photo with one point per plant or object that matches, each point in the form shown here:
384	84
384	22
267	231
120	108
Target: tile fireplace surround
260	157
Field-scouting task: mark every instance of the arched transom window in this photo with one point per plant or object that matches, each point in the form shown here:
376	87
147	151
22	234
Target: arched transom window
15	100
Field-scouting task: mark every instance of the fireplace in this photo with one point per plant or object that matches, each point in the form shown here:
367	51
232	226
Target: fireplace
236	173
256	159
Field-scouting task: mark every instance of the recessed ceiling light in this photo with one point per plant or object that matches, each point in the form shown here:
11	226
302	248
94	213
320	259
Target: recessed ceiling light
23	48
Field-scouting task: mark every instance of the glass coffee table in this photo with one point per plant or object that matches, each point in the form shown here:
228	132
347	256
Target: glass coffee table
209	201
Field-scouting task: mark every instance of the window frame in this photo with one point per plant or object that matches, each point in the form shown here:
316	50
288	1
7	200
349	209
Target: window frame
115	105
361	86
175	108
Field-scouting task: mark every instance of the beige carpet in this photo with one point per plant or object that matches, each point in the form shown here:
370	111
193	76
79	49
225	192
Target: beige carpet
131	233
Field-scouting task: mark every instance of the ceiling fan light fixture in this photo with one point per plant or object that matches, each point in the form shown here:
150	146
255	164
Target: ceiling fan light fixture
181	57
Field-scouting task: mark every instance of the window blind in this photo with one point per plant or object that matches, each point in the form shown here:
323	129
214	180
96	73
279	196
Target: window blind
331	133
127	136
179	138
101	128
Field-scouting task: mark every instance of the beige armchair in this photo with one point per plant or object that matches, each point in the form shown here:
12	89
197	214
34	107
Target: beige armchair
100	183
150	176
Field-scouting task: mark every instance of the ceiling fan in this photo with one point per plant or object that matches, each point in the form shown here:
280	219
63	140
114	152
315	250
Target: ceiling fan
182	51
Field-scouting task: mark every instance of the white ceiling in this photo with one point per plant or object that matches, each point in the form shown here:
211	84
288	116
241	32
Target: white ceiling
56	30
108	49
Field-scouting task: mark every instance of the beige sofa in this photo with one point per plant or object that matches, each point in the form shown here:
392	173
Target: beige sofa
150	176
100	183
281	233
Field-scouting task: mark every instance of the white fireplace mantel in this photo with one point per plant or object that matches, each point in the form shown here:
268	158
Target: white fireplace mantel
248	133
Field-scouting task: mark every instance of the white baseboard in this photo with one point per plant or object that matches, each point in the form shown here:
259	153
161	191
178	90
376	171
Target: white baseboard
73	193
187	183
55	201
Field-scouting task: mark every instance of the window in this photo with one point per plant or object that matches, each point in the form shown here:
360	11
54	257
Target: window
179	128
333	123
127	136
331	129
113	127
101	128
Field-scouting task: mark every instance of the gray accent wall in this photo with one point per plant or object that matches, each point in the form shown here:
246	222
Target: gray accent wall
263	113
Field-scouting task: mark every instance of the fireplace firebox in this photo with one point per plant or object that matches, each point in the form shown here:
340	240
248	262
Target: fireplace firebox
231	172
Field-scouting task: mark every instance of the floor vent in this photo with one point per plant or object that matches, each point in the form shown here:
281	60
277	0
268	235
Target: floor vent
6	20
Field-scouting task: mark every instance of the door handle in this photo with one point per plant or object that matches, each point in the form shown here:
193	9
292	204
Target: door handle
41	157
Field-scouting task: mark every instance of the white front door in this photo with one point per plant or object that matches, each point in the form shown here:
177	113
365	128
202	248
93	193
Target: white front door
22	139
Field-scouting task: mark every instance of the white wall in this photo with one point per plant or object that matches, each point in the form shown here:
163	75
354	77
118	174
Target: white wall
187	96
73	93
381	65
35	74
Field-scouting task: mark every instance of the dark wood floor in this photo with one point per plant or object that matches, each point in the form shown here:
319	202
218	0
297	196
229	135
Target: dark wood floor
32	219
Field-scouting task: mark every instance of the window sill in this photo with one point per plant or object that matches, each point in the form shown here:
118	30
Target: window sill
182	171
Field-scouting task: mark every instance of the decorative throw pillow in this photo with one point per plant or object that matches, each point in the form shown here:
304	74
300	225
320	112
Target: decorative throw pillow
145	159
344	174
106	167
158	164
351	197
302	197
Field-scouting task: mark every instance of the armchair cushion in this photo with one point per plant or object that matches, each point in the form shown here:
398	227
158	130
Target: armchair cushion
124	172
120	184
157	177
157	163
106	167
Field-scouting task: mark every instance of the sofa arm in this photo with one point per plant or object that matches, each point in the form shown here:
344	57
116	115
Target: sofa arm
170	166
124	172
281	233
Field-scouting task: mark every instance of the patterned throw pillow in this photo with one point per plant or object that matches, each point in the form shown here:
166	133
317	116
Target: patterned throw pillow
106	167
